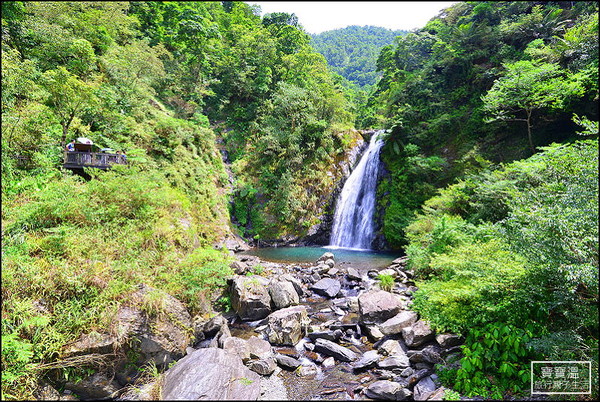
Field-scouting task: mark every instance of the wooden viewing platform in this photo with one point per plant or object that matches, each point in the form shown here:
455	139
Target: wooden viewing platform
99	160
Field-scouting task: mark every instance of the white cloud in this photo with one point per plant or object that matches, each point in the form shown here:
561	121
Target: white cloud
320	16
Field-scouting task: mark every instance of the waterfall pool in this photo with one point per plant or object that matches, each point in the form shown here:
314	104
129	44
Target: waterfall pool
362	260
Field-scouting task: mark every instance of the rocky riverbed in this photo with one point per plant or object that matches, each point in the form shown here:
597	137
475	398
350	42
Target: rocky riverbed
314	331
306	331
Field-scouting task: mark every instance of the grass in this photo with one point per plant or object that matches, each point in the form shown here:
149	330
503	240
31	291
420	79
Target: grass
74	251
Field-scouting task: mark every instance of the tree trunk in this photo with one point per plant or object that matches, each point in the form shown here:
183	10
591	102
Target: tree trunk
65	128
529	131
63	140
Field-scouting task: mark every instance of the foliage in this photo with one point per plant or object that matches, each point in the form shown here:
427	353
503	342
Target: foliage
496	361
528	87
386	282
513	247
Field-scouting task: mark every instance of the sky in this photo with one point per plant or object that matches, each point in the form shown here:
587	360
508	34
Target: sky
321	16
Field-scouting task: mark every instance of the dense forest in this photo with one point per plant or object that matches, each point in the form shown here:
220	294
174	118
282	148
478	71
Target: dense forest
235	126
352	52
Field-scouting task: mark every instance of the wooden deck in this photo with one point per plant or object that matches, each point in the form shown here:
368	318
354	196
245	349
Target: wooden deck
99	160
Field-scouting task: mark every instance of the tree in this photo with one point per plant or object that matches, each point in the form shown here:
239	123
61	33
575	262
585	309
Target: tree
528	86
68	96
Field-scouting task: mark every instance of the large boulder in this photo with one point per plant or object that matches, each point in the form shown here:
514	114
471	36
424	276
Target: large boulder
327	287
250	298
387	390
283	294
333	349
377	306
210	374
397	323
417	334
287	326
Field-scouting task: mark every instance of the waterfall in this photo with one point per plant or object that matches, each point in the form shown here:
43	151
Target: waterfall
353	220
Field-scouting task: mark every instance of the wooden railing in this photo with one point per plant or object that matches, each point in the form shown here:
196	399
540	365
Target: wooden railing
100	160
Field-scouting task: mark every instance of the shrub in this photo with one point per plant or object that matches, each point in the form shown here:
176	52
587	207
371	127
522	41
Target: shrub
386	282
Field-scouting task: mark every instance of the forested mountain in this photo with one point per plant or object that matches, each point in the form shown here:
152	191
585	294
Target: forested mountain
234	125
352	51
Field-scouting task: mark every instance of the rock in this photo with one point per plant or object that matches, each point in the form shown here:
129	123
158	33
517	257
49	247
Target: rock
353	274
329	362
259	348
438	395
249	298
212	374
307	371
394	361
327	287
333	349
389	271
368	359
387	390
287	362
330	262
237	346
263	366
333	271
283	294
378	306
294	281
93	342
417	334
220	336
390	347
329	335
161	337
429	354
239	267
287	326
95	386
400	260
373	332
46	393
212	326
448	340
398	322
424	389
325	257
417	376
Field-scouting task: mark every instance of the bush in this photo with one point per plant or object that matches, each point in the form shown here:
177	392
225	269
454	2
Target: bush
386	281
471	285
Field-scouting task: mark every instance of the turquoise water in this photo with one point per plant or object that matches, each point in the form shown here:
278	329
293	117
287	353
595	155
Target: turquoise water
359	259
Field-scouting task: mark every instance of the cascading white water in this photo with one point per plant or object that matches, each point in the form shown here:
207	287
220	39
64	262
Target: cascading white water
353	220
